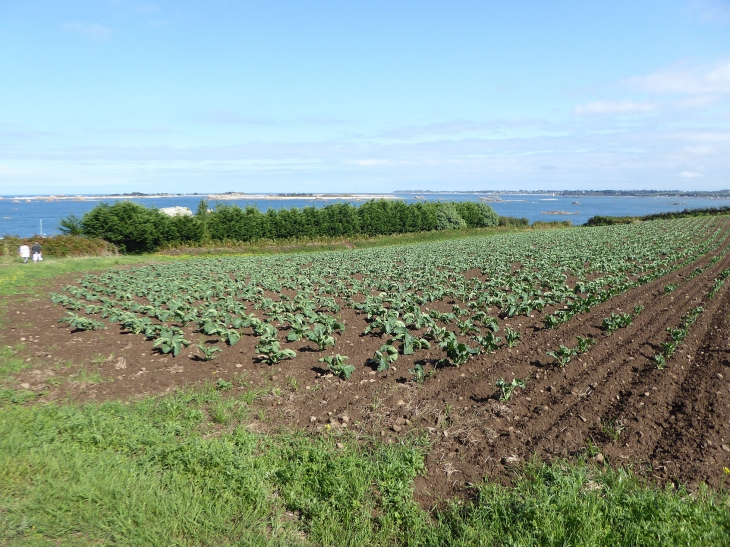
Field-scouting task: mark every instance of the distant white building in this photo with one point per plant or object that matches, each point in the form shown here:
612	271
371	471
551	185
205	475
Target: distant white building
177	211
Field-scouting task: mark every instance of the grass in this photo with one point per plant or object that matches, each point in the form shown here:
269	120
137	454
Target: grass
10	363
184	469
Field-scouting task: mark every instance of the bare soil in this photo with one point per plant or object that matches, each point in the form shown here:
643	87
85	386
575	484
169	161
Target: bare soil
611	404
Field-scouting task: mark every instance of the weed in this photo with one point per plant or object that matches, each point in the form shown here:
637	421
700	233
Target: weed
613	428
223	385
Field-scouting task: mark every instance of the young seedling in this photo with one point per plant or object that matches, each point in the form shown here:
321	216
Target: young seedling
418	373
209	352
272	353
562	355
457	352
507	389
385	356
660	361
338	366
170	341
584	344
489	342
321	337
511	336
670	288
668	348
616	321
81	323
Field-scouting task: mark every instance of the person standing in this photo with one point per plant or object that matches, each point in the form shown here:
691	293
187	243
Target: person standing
37	255
24	251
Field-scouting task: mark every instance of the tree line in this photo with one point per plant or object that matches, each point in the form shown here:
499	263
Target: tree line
134	228
699	212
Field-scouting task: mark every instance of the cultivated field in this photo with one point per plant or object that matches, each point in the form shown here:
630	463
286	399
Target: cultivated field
607	344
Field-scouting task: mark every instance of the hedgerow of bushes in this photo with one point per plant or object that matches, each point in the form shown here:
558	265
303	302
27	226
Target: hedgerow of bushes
137	229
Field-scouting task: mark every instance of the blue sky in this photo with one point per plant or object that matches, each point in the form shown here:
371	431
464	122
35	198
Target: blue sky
122	96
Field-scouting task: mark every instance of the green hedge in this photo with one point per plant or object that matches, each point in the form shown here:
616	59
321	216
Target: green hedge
137	229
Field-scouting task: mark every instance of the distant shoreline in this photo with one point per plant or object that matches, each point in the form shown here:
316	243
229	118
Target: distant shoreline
484	195
215	197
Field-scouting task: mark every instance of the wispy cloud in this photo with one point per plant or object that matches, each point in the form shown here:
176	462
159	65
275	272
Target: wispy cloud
712	11
706	79
690	174
614	107
92	31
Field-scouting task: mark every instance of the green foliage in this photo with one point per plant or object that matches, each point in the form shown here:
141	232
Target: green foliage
209	352
170	341
584	344
77	322
272	353
131	227
616	321
457	352
321	336
562	355
511	337
477	215
448	217
418	373
70	226
63	246
489	342
507	389
338	365
384	357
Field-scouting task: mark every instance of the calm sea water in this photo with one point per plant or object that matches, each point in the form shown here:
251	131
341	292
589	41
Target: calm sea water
25	218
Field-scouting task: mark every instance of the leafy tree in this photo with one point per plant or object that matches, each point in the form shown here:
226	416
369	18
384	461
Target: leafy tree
131	227
477	215
449	218
70	226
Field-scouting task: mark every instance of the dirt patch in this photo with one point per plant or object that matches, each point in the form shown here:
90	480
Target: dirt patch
611	404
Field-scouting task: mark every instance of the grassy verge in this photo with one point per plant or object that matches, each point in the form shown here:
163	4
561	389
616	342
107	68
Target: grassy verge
185	469
16	277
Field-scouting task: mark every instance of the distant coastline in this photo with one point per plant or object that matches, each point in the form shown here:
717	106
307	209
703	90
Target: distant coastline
230	196
484	195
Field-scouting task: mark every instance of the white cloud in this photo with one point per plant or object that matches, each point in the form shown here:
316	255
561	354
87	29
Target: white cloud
690	174
705	80
614	107
93	31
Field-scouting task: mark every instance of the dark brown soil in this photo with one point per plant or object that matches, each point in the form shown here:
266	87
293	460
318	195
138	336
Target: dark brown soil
611	403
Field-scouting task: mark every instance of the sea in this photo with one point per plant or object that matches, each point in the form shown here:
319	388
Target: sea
24	217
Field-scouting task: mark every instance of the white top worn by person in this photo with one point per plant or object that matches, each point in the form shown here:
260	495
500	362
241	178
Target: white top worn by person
24	251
